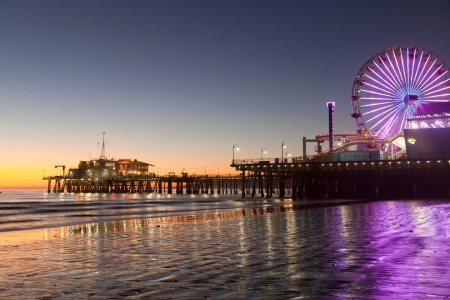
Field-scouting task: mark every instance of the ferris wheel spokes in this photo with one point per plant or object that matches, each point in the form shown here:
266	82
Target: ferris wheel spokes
391	86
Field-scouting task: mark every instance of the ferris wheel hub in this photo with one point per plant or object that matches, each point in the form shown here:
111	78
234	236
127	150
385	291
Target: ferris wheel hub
410	98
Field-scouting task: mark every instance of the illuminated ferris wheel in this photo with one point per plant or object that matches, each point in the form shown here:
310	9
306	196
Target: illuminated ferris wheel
393	84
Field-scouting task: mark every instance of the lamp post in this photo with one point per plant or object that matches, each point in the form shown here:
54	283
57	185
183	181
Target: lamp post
217	172
194	171
237	148
263	150
283	145
339	151
288	153
205	170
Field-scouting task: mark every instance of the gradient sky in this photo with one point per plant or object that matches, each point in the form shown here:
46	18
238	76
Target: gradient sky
177	83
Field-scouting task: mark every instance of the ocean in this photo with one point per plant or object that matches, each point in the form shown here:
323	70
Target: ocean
147	246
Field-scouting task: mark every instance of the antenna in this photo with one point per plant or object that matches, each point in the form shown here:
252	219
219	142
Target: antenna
103	155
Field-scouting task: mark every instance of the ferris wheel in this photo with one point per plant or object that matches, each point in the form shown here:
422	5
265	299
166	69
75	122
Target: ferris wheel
392	84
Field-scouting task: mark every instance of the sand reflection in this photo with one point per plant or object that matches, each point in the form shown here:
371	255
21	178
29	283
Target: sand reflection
373	250
29	236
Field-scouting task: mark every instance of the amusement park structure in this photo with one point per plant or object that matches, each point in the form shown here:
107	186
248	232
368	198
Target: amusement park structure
400	101
391	87
399	88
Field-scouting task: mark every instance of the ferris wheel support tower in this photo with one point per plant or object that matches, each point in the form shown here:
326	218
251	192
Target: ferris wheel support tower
330	106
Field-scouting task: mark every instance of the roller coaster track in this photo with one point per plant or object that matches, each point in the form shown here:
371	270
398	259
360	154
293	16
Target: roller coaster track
352	143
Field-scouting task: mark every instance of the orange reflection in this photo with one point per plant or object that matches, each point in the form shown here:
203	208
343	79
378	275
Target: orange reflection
29	236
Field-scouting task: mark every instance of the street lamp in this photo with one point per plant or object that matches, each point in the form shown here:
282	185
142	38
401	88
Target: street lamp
217	172
194	171
288	154
205	170
237	148
283	145
263	150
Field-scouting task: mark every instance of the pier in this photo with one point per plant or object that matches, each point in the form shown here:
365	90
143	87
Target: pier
319	179
146	184
373	180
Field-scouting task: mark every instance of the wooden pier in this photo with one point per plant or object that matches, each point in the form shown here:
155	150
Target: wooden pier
389	179
146	184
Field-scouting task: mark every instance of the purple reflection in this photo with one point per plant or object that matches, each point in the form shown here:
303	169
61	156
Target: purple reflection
397	248
313	250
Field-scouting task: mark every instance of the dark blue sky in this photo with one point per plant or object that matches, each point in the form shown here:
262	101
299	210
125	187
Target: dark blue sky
177	83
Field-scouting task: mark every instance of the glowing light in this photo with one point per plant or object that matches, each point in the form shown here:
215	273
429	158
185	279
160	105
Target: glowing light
379	88
372	92
371	111
393	90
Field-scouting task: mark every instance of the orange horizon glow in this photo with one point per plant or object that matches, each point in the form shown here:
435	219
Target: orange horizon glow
32	178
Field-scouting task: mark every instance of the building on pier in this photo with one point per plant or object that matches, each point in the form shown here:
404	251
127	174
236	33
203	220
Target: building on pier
105	168
94	168
100	168
428	132
132	167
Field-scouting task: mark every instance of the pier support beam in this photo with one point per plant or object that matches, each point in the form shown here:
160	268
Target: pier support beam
243	184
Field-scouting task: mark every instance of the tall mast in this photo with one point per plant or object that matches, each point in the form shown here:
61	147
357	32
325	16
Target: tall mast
103	156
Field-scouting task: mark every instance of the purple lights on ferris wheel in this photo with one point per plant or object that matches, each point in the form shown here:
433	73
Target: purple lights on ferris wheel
393	84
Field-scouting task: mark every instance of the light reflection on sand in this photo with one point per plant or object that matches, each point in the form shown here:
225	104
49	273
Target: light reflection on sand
29	236
395	249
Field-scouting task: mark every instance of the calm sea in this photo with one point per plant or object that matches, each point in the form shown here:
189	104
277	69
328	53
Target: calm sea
82	246
22	209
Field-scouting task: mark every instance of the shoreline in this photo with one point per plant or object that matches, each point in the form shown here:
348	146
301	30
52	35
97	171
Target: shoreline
24	236
280	249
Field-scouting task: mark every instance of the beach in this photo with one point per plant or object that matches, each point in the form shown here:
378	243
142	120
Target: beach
289	249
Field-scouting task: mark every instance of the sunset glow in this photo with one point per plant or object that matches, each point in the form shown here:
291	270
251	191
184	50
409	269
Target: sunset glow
178	91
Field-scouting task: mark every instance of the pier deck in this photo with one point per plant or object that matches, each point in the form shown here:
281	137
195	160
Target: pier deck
381	179
145	184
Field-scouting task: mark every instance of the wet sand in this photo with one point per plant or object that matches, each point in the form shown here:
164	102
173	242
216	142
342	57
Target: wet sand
396	249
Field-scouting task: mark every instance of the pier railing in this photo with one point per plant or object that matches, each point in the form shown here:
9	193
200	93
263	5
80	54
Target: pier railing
344	156
144	177
267	161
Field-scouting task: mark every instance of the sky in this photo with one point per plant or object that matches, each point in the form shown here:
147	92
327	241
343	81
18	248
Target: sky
178	83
